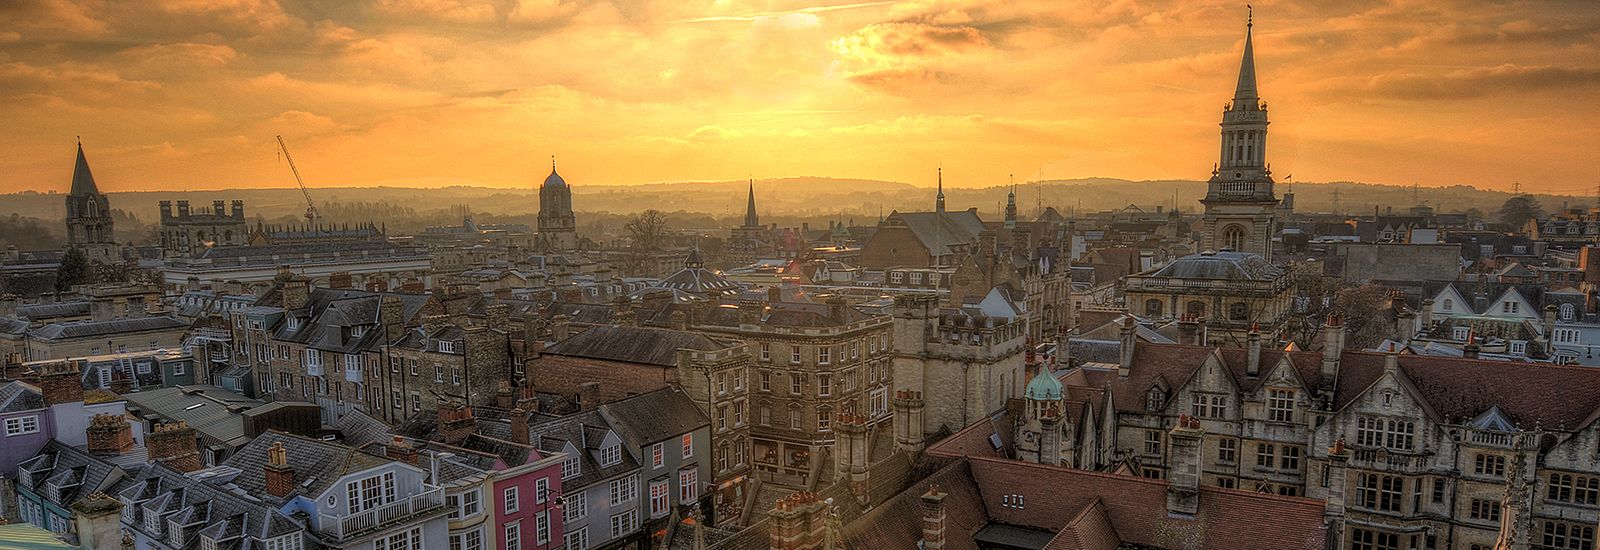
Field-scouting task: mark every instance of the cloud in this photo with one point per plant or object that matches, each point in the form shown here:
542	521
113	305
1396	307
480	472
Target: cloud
439	10
1498	81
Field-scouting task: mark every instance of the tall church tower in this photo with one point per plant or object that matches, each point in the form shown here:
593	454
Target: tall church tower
1240	205
558	229
89	224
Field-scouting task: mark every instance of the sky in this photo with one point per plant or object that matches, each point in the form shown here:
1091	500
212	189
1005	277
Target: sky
189	94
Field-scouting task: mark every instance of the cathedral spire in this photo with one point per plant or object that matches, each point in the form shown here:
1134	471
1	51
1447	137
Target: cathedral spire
82	180
750	219
1245	94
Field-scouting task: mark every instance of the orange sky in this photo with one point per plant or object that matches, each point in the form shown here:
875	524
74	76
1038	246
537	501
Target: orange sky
187	94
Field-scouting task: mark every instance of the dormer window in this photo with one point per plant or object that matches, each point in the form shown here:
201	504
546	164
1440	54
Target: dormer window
610	455
571	467
1155	399
447	346
175	533
207	543
294	323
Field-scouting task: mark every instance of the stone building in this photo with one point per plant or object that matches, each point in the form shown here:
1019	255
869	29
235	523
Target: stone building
558	229
750	241
187	231
89	222
1240	205
1228	292
447	358
961	363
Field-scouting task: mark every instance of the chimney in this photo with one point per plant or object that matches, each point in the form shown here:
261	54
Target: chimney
588	396
391	312
280	476
1253	344
183	209
532	335
678	320
750	312
1470	351
61	382
340	279
166	209
1188	327
838	310
908	424
1338	457
455	423
1127	335
109	435
1332	349
499	315
296	292
933	518
559	328
97	521
774	294
238	209
1183	491
798	522
176	445
1427	314
1391	359
401	450
503	397
519	426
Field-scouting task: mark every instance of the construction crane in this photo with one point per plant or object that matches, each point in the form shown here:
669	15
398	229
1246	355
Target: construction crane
311	207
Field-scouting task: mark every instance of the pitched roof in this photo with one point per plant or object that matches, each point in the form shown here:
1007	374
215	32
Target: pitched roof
20	396
87	329
938	231
82	180
648	346
656	416
213	411
317	464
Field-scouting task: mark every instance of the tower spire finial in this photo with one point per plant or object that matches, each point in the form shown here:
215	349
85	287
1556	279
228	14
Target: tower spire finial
939	200
552	163
1249	16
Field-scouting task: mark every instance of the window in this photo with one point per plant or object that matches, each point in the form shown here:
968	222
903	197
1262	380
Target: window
688	446
1227	450
657	455
796	383
1210	406
624	523
571	466
1152	308
1568	312
370	492
1509	307
575	506
824	420
765	414
512	503
658	498
514	535
470	540
541	527
1438	491
824	385
766	381
1152	442
1238	311
610	455
1233	238
288	542
1519	347
464	504
1264	455
1575	489
1566	535
1291	458
577	540
766	352
824	355
795	422
738	413
1489	465
794	354
1487	510
625	490
1391	433
438	373
1366	539
22	425
688	485
541	490
1379	492
447	346
1566	336
1280	405
1460	334
177	369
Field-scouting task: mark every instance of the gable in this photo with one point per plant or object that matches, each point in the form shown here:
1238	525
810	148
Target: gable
1511	303
1449	301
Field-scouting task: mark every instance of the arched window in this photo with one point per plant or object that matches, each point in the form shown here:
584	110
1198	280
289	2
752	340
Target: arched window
1152	307
1154	400
1568	312
1238	311
1233	237
1195	308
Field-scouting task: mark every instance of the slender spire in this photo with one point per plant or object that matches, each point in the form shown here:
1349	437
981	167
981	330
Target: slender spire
750	219
1011	205
82	180
1245	94
938	205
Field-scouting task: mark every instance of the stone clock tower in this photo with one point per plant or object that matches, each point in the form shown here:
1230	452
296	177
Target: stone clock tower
1240	205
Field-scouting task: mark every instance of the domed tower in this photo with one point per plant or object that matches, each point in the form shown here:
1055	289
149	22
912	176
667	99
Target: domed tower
89	223
1039	438
558	229
1240	204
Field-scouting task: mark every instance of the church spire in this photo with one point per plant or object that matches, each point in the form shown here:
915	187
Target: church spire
1245	95
938	203
1011	205
750	219
82	180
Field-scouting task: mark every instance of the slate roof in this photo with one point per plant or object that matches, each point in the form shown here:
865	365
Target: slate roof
329	310
1225	265
82	179
73	471
20	396
205	408
656	416
628	344
53	309
1086	510
317	464
360	430
937	232
1454	389
220	510
90	329
698	280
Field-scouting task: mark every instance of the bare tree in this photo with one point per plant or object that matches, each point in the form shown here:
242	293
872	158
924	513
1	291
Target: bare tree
647	230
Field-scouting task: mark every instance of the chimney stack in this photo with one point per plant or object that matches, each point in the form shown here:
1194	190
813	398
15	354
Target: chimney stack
97	521
401	450
1127	336
109	435
909	431
519	426
1338	457
455	422
280	476
175	444
838	310
1253	343
589	396
1470	351
1183	491
61	382
1332	349
559	328
933	518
